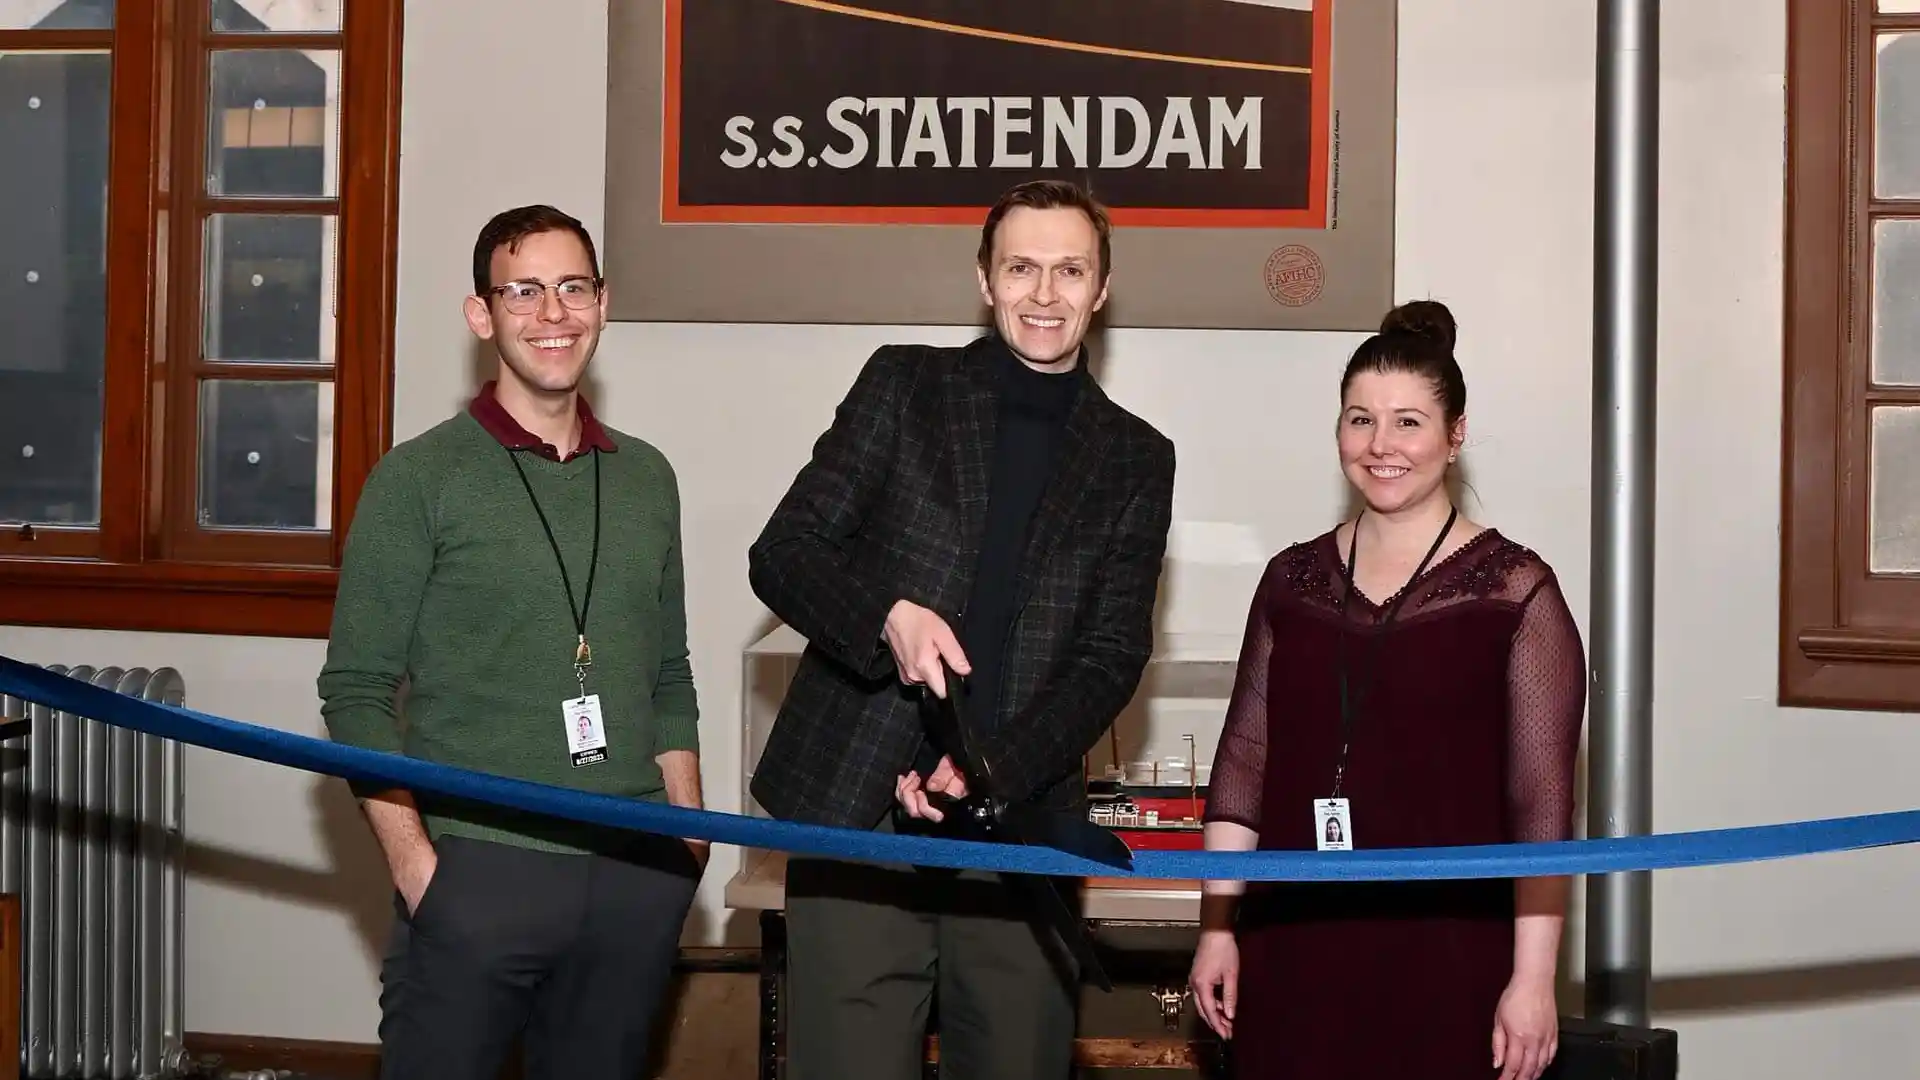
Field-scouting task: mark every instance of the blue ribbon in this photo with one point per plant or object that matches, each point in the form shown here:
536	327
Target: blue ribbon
1609	855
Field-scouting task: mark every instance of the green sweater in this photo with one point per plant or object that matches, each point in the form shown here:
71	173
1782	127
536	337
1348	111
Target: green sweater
450	587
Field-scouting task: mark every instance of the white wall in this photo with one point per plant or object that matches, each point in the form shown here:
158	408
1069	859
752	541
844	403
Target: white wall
1797	968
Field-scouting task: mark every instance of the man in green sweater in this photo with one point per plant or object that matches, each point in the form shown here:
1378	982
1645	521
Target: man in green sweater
517	569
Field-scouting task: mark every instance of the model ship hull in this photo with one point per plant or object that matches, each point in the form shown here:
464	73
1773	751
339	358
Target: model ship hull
1149	817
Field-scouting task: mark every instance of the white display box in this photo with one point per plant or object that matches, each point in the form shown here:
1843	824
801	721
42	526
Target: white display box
1183	694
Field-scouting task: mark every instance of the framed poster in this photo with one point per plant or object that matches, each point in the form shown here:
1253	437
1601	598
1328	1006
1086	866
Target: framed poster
820	161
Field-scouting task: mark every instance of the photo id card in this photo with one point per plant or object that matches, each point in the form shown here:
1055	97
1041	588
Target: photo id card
586	737
1332	825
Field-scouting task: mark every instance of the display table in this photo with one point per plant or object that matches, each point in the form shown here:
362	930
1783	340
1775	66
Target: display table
1144	929
761	886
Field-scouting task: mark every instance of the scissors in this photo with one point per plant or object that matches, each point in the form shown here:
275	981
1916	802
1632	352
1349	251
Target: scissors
987	814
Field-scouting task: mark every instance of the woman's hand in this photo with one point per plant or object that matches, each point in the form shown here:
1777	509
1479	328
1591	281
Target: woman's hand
1215	979
1526	1029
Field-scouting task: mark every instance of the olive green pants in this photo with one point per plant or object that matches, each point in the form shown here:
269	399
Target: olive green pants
870	948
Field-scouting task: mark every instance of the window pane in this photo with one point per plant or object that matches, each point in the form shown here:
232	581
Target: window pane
1894	542
269	288
277	16
1896	120
1895	7
56	14
1896	303
273	124
266	454
53	309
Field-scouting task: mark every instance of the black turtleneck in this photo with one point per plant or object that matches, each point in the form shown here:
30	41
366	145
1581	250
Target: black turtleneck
1029	424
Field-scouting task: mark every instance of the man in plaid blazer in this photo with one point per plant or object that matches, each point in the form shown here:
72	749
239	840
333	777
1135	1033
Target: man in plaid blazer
991	507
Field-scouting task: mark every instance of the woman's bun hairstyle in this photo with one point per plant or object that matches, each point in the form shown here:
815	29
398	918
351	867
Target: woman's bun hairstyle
1427	319
1417	337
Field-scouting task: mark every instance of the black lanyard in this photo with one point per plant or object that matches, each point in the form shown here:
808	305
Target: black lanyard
1349	706
582	655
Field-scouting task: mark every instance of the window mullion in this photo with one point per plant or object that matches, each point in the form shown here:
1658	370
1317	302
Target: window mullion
182	413
136	270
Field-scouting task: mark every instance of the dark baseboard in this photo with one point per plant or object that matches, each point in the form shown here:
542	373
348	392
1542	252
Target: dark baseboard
216	1055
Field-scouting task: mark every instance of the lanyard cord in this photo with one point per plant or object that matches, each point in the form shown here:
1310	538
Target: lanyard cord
583	656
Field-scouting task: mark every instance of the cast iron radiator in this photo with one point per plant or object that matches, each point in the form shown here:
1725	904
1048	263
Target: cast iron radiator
90	843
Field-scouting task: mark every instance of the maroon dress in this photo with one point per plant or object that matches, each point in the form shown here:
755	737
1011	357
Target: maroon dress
1468	724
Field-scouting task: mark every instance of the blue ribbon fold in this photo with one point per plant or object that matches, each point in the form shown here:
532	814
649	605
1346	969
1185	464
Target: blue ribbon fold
1665	851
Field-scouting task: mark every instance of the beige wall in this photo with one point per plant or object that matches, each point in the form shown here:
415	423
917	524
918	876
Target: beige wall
1807	967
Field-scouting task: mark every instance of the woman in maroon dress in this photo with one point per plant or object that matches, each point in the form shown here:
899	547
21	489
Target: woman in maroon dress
1420	682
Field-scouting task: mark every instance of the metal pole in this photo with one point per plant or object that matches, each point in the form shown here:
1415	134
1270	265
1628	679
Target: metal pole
1626	231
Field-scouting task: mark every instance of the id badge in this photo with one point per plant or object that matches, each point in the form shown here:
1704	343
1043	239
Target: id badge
586	735
1332	825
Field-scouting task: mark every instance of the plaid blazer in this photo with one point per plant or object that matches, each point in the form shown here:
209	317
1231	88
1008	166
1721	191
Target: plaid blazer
891	506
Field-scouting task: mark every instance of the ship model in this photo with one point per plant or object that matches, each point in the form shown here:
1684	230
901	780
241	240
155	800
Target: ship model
1151	812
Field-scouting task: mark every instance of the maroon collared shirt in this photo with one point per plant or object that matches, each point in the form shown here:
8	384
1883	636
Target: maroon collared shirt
500	424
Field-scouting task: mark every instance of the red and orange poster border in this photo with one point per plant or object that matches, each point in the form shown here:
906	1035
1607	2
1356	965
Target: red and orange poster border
1312	216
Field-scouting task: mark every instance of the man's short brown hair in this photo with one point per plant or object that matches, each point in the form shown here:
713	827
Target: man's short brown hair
509	227
1049	195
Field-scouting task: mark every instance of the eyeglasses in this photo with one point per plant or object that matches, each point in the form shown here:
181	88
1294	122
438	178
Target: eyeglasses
525	297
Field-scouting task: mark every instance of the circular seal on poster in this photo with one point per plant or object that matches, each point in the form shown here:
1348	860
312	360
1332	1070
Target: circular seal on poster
1294	275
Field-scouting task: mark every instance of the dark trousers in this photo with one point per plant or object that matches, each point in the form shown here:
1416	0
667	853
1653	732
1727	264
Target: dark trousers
869	947
572	953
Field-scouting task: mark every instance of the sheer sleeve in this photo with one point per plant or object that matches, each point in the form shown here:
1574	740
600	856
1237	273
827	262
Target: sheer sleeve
1547	698
1240	761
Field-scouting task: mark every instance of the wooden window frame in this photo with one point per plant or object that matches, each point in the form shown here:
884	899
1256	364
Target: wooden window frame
149	567
1849	639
